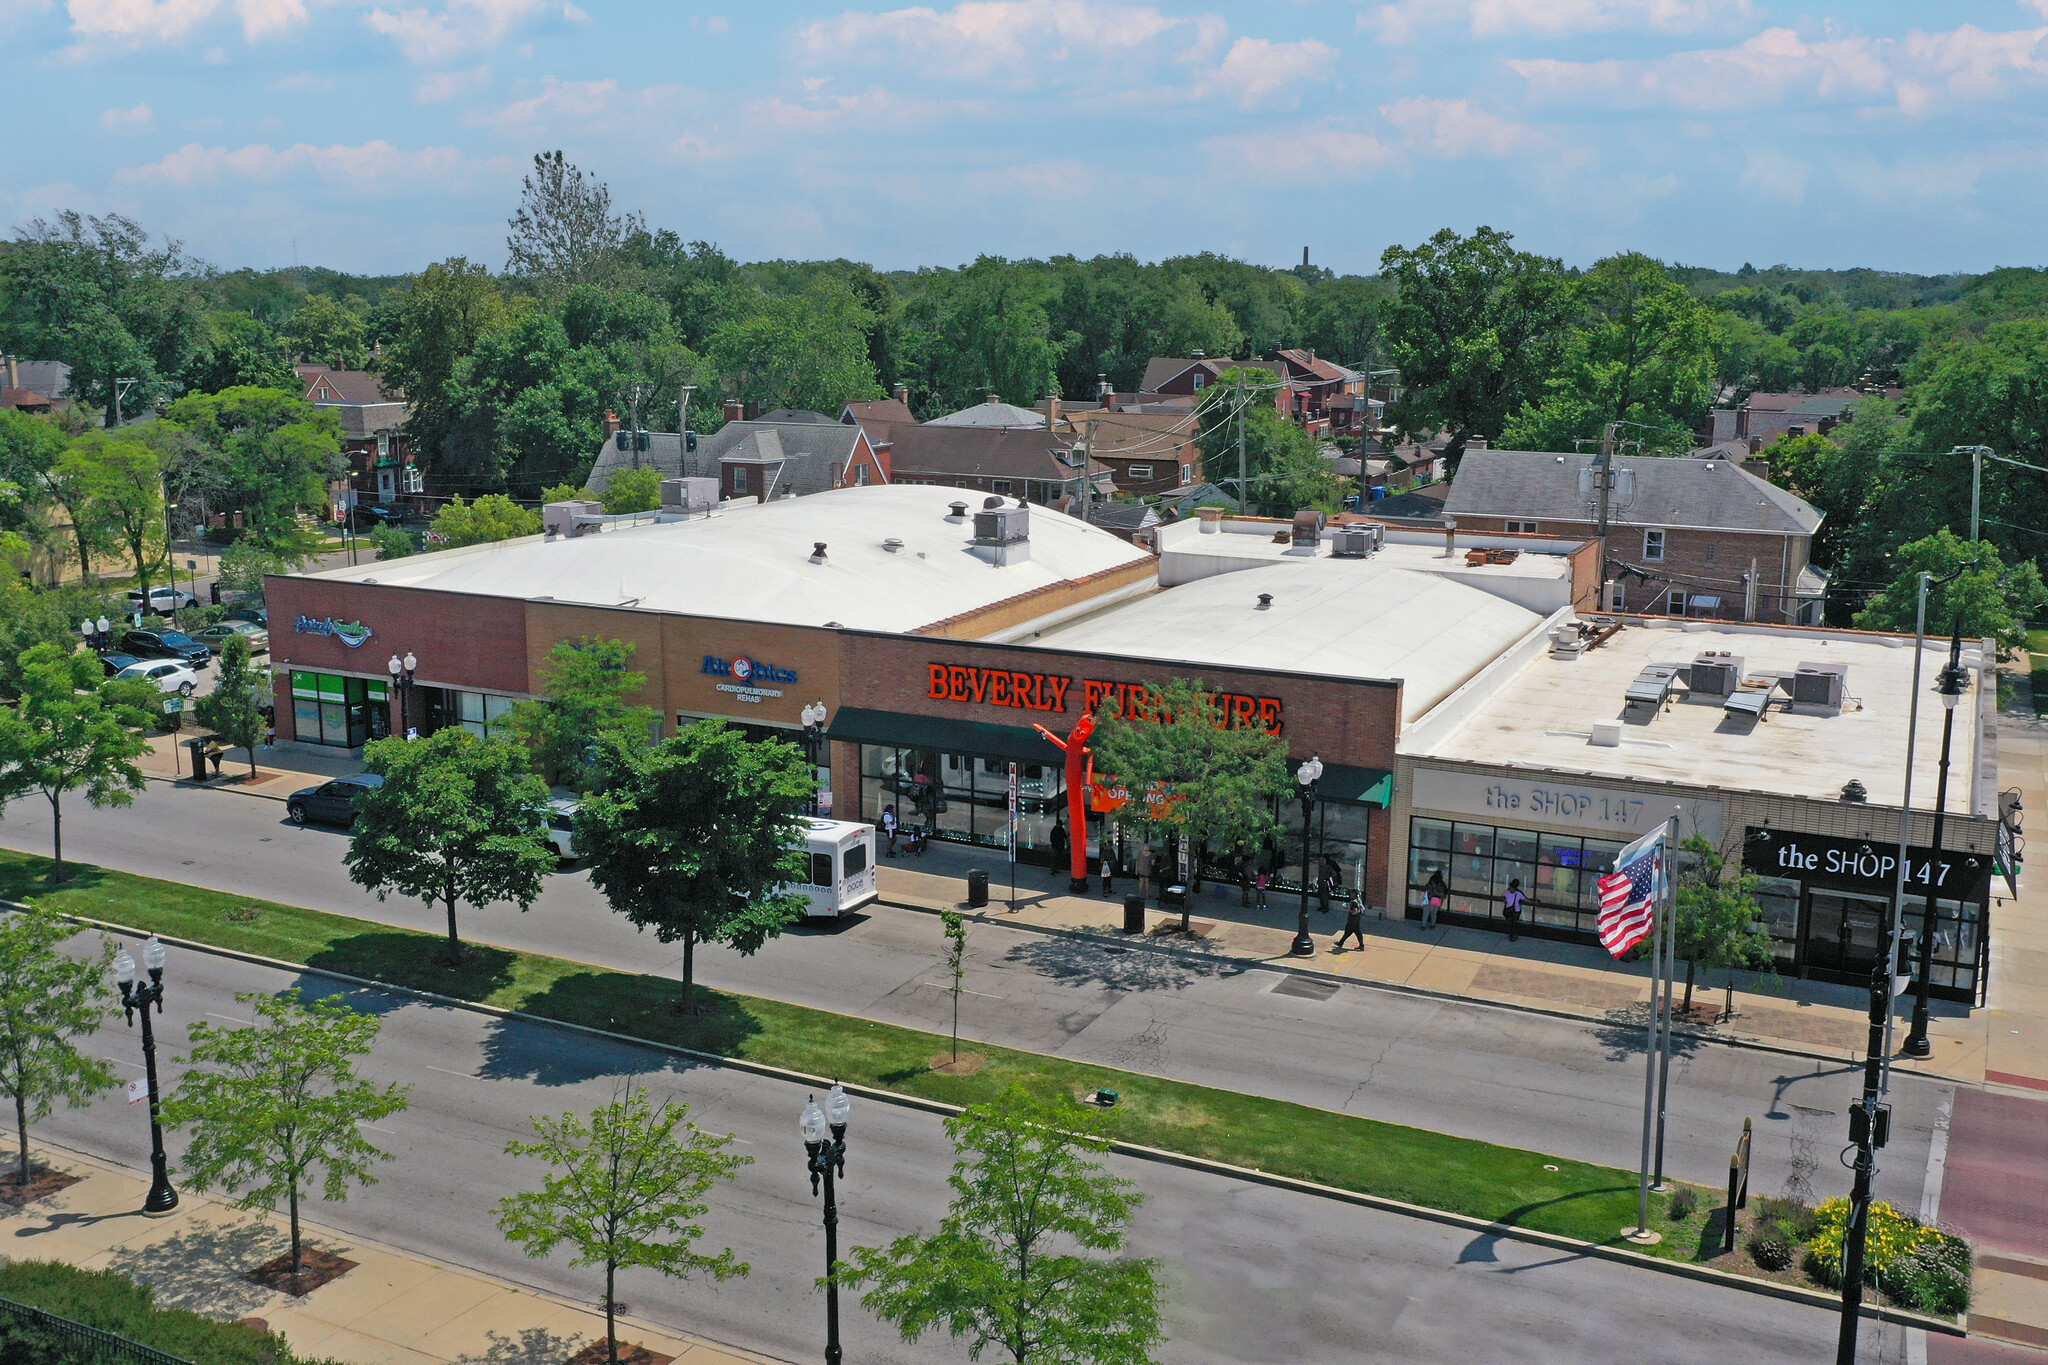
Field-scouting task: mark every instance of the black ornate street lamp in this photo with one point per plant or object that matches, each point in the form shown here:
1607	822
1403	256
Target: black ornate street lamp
401	678
1950	686
138	996
825	1142
1308	774
814	735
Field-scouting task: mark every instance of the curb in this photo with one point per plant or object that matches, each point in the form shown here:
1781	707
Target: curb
1160	1156
189	785
1401	988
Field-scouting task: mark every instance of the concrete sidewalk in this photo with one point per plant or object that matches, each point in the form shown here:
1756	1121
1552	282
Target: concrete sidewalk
393	1308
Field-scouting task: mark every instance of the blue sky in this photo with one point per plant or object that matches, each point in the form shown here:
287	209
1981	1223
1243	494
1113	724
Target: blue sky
374	135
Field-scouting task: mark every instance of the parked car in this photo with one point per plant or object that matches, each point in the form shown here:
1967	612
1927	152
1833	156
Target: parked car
254	615
168	674
368	517
165	644
213	637
114	661
562	827
162	601
330	803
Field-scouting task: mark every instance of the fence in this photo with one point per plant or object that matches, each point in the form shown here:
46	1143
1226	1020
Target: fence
60	1341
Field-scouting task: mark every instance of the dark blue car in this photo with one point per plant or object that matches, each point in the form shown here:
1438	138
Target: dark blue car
330	803
165	644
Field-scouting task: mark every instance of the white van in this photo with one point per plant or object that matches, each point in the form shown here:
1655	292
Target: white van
842	866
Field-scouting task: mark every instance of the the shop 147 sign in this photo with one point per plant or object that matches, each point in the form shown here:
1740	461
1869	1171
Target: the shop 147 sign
1864	864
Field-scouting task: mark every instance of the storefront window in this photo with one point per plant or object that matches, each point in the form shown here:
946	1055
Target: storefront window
1778	897
1558	872
964	798
338	711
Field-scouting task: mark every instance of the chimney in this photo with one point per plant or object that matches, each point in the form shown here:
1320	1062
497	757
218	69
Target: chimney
993	398
1195	355
1756	444
13	373
1450	538
1102	391
1827	424
901	393
734	410
1052	409
752	410
1795	431
1304	258
611	419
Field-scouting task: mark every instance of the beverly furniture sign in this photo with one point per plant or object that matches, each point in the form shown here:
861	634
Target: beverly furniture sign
1550	804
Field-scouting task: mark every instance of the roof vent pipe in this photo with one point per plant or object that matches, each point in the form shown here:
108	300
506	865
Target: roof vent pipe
817	552
1265	601
959	511
991	502
892	544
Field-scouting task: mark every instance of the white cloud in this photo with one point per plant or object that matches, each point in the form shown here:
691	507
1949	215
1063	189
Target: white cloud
1777	175
718	24
1454	128
1015	43
134	23
139	117
1290	154
1255	70
1398	22
558	101
306	81
372	167
446	85
575	15
464	26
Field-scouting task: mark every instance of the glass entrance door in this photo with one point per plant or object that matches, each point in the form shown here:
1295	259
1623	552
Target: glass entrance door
1844	935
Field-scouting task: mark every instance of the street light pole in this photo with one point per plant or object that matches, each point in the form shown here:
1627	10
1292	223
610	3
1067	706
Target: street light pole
1310	771
825	1144
814	731
1950	686
138	996
401	678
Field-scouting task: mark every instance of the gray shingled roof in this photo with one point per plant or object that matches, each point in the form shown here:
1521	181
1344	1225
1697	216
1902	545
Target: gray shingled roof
1670	491
814	454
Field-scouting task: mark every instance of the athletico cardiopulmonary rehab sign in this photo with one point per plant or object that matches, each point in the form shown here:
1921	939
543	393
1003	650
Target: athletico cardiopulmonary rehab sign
1049	692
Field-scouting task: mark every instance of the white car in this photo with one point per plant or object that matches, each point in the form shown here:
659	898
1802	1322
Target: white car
168	674
562	827
162	601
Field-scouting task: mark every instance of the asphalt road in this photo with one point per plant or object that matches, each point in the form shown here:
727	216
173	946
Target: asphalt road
1253	1274
1554	1085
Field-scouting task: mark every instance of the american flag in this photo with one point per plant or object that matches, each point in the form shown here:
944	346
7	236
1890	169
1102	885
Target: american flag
1628	892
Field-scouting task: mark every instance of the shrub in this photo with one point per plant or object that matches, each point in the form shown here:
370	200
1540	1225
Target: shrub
1933	1278
393	542
1892	1237
1794	1219
1771	1253
115	1303
1683	1205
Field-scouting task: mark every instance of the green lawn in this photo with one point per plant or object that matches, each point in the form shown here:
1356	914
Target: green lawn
1481	1179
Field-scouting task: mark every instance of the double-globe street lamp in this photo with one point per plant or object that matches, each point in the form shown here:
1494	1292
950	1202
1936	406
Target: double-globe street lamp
1953	682
401	678
825	1144
135	996
813	717
1308	774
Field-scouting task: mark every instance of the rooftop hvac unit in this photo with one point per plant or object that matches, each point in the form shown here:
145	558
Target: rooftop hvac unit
1001	525
1715	675
1820	684
1354	542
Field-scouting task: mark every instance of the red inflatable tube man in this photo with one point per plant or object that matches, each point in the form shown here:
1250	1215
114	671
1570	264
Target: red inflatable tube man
1076	747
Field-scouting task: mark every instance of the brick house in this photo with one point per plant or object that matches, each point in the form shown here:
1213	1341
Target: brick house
1327	398
373	440
1146	453
1038	465
1686	536
1181	377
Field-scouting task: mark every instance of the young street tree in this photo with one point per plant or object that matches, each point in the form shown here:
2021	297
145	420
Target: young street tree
73	729
47	1000
275	1106
1216	779
956	965
1010	1265
625	1190
120	483
692	838
1720	924
230	710
457	819
584	686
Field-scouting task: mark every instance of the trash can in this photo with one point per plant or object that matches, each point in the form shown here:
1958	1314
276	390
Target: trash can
977	887
198	748
1173	898
1134	914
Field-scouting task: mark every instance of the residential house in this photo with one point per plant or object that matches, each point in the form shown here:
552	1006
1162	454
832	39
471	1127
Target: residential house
1167	377
784	453
1038	465
873	411
33	385
381	467
1764	417
1327	398
996	415
1148	454
1686	536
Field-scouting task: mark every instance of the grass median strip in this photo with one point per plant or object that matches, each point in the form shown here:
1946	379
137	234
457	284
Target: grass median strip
1459	1175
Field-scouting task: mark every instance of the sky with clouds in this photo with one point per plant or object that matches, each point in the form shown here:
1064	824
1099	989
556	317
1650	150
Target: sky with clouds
373	135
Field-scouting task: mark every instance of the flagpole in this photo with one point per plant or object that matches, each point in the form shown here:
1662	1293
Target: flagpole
1670	890
1641	1234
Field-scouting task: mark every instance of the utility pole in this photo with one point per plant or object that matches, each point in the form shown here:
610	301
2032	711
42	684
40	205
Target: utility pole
1243	487
636	426
1606	479
683	414
1977	454
121	386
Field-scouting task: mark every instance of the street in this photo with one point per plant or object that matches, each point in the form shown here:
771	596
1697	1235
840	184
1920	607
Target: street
1528	1080
1252	1274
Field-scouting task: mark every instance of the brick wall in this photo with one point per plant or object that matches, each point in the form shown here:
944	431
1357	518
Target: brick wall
1695	561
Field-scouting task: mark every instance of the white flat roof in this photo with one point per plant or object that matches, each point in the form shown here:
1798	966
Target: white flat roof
1542	717
1346	618
752	562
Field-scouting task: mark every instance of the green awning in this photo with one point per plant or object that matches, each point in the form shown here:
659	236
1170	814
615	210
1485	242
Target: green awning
1360	786
860	725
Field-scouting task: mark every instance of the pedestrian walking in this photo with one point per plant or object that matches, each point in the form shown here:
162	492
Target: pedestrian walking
1060	844
1354	923
1108	874
1511	906
1434	893
889	828
1262	891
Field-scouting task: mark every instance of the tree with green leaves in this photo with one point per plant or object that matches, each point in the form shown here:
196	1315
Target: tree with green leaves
564	232
984	329
327	331
584	685
444	313
230	710
1475	328
1217	776
31	616
626	1189
955	925
49	999
234	350
73	729
806	350
275	1108
394	542
491	517
633	490
270	455
1030	1256
1719	925
457	819
699	838
1993	599
244	566
120	498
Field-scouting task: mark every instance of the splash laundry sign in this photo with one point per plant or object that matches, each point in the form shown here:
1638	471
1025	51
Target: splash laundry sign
350	633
